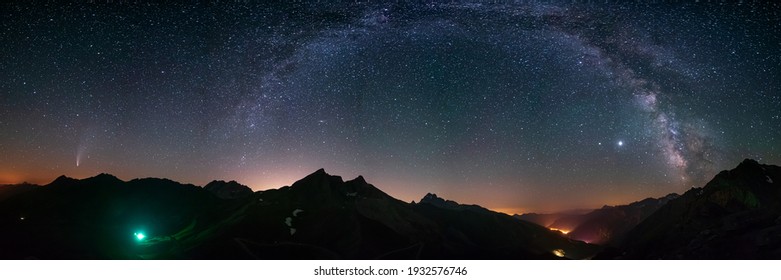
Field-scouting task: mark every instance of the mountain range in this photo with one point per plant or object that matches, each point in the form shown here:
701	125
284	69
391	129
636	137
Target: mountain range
604	226
734	216
318	217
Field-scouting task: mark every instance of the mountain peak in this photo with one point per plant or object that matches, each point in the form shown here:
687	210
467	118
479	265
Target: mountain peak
671	196
359	179
431	198
318	217
62	180
103	179
749	163
319	175
750	184
228	190
106	176
740	205
318	179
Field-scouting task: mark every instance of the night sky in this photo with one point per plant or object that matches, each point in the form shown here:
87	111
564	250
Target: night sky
514	106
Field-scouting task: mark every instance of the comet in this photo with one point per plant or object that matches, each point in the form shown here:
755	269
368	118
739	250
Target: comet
79	153
80	150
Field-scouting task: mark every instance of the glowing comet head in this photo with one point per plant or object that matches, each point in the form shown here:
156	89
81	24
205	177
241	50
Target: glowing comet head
140	236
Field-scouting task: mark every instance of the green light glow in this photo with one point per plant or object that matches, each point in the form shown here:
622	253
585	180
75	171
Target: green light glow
139	236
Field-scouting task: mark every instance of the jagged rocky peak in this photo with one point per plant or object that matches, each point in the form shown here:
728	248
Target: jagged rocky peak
435	200
669	197
319	177
750	167
431	198
359	180
228	190
749	163
750	184
653	202
748	175
320	183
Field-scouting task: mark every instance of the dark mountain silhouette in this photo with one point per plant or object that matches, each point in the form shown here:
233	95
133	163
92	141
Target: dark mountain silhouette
62	181
228	190
609	224
604	226
433	199
322	216
92	218
318	217
735	216
470	231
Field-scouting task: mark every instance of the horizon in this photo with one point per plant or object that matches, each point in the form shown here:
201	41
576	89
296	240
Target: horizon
512	106
506	210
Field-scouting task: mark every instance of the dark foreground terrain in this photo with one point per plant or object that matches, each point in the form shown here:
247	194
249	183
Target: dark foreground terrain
735	216
319	217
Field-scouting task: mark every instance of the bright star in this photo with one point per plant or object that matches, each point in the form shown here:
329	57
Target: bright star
620	143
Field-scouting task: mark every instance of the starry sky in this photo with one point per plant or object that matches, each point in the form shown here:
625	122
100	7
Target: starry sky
514	105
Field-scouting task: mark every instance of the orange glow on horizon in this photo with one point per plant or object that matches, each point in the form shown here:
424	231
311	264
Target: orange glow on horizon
8	178
564	231
508	210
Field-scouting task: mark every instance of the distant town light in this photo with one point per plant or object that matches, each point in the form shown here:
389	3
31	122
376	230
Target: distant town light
564	231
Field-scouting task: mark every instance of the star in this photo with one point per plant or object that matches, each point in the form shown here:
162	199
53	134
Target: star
415	97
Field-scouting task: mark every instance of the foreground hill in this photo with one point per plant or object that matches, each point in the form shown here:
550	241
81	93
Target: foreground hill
95	218
735	216
7	191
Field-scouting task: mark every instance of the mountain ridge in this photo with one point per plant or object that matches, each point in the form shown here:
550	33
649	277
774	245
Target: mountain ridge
319	216
735	215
